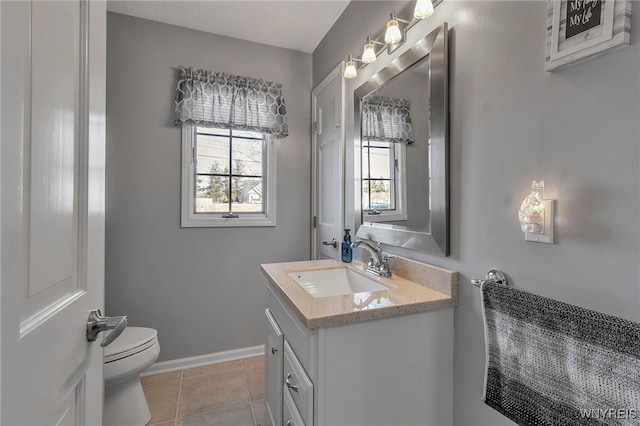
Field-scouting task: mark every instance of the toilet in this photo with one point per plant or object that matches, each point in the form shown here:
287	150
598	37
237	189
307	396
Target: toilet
124	360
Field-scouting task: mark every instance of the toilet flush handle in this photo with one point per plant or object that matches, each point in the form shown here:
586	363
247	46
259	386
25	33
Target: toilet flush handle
97	323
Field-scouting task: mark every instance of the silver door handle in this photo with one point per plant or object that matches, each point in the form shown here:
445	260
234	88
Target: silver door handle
291	385
97	323
333	243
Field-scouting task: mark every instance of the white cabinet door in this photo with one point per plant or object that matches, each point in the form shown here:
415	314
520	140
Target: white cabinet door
273	362
328	166
52	253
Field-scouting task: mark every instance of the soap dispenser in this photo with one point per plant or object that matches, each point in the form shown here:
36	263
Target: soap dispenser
347	252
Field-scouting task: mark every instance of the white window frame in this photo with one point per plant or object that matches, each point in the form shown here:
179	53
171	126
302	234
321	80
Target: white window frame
191	219
400	178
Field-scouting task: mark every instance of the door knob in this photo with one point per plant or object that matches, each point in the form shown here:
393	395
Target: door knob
333	243
97	323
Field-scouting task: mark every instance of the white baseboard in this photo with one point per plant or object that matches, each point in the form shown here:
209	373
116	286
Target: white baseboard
200	360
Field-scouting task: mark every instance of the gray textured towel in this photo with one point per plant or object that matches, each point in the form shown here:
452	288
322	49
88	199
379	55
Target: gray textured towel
551	363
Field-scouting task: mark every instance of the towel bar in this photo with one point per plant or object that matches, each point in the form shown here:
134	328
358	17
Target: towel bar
493	275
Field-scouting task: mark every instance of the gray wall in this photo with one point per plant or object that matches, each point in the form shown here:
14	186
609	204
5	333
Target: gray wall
511	122
201	288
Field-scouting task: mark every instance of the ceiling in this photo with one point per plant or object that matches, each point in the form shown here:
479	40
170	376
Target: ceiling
298	25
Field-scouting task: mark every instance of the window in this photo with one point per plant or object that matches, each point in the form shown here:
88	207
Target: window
228	178
383	181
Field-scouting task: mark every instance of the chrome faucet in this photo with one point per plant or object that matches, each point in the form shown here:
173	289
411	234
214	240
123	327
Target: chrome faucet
379	262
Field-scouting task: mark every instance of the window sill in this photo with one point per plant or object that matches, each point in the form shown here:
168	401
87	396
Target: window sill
216	221
385	217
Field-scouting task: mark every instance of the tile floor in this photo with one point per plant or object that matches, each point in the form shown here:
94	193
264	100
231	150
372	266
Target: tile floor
226	394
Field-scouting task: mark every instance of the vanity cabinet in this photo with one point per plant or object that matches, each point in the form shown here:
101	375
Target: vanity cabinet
390	371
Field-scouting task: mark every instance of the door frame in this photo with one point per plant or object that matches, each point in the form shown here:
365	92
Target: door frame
337	72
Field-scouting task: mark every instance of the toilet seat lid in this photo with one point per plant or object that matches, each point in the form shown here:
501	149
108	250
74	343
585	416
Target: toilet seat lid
131	341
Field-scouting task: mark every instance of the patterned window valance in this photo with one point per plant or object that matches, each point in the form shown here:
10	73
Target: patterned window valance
213	99
387	120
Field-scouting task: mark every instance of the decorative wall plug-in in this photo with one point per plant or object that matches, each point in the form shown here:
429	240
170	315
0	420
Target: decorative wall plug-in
536	215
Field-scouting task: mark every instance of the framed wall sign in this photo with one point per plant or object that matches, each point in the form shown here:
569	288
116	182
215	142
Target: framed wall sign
578	30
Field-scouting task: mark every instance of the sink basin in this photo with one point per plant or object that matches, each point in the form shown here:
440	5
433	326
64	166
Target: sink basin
335	282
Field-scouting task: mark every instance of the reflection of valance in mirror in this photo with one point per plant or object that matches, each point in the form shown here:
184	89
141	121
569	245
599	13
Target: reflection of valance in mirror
386	120
214	99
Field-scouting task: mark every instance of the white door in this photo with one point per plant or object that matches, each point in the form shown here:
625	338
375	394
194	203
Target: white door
328	166
52	218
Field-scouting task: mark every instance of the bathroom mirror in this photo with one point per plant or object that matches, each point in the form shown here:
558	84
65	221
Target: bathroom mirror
401	126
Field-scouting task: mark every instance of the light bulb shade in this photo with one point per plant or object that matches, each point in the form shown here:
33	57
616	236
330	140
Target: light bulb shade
423	9
350	69
368	54
531	213
393	34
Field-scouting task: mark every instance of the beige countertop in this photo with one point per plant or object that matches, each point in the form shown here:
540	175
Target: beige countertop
430	288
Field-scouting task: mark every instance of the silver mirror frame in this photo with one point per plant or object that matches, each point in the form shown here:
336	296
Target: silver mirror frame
435	46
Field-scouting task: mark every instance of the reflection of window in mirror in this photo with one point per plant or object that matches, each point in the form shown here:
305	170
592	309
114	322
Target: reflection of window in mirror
398	113
383	181
416	80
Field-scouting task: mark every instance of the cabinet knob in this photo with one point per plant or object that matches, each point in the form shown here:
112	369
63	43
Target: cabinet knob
289	423
291	385
274	350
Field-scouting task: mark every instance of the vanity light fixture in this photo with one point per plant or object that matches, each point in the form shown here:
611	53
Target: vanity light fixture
536	215
393	37
350	68
423	9
393	34
368	52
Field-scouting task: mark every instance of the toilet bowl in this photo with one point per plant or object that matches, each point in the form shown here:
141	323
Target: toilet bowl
124	360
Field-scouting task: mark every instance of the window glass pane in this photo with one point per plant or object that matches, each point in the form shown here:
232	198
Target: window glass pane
246	194
380	163
380	195
213	131
365	195
212	194
228	174
212	154
365	162
246	134
217	189
247	157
